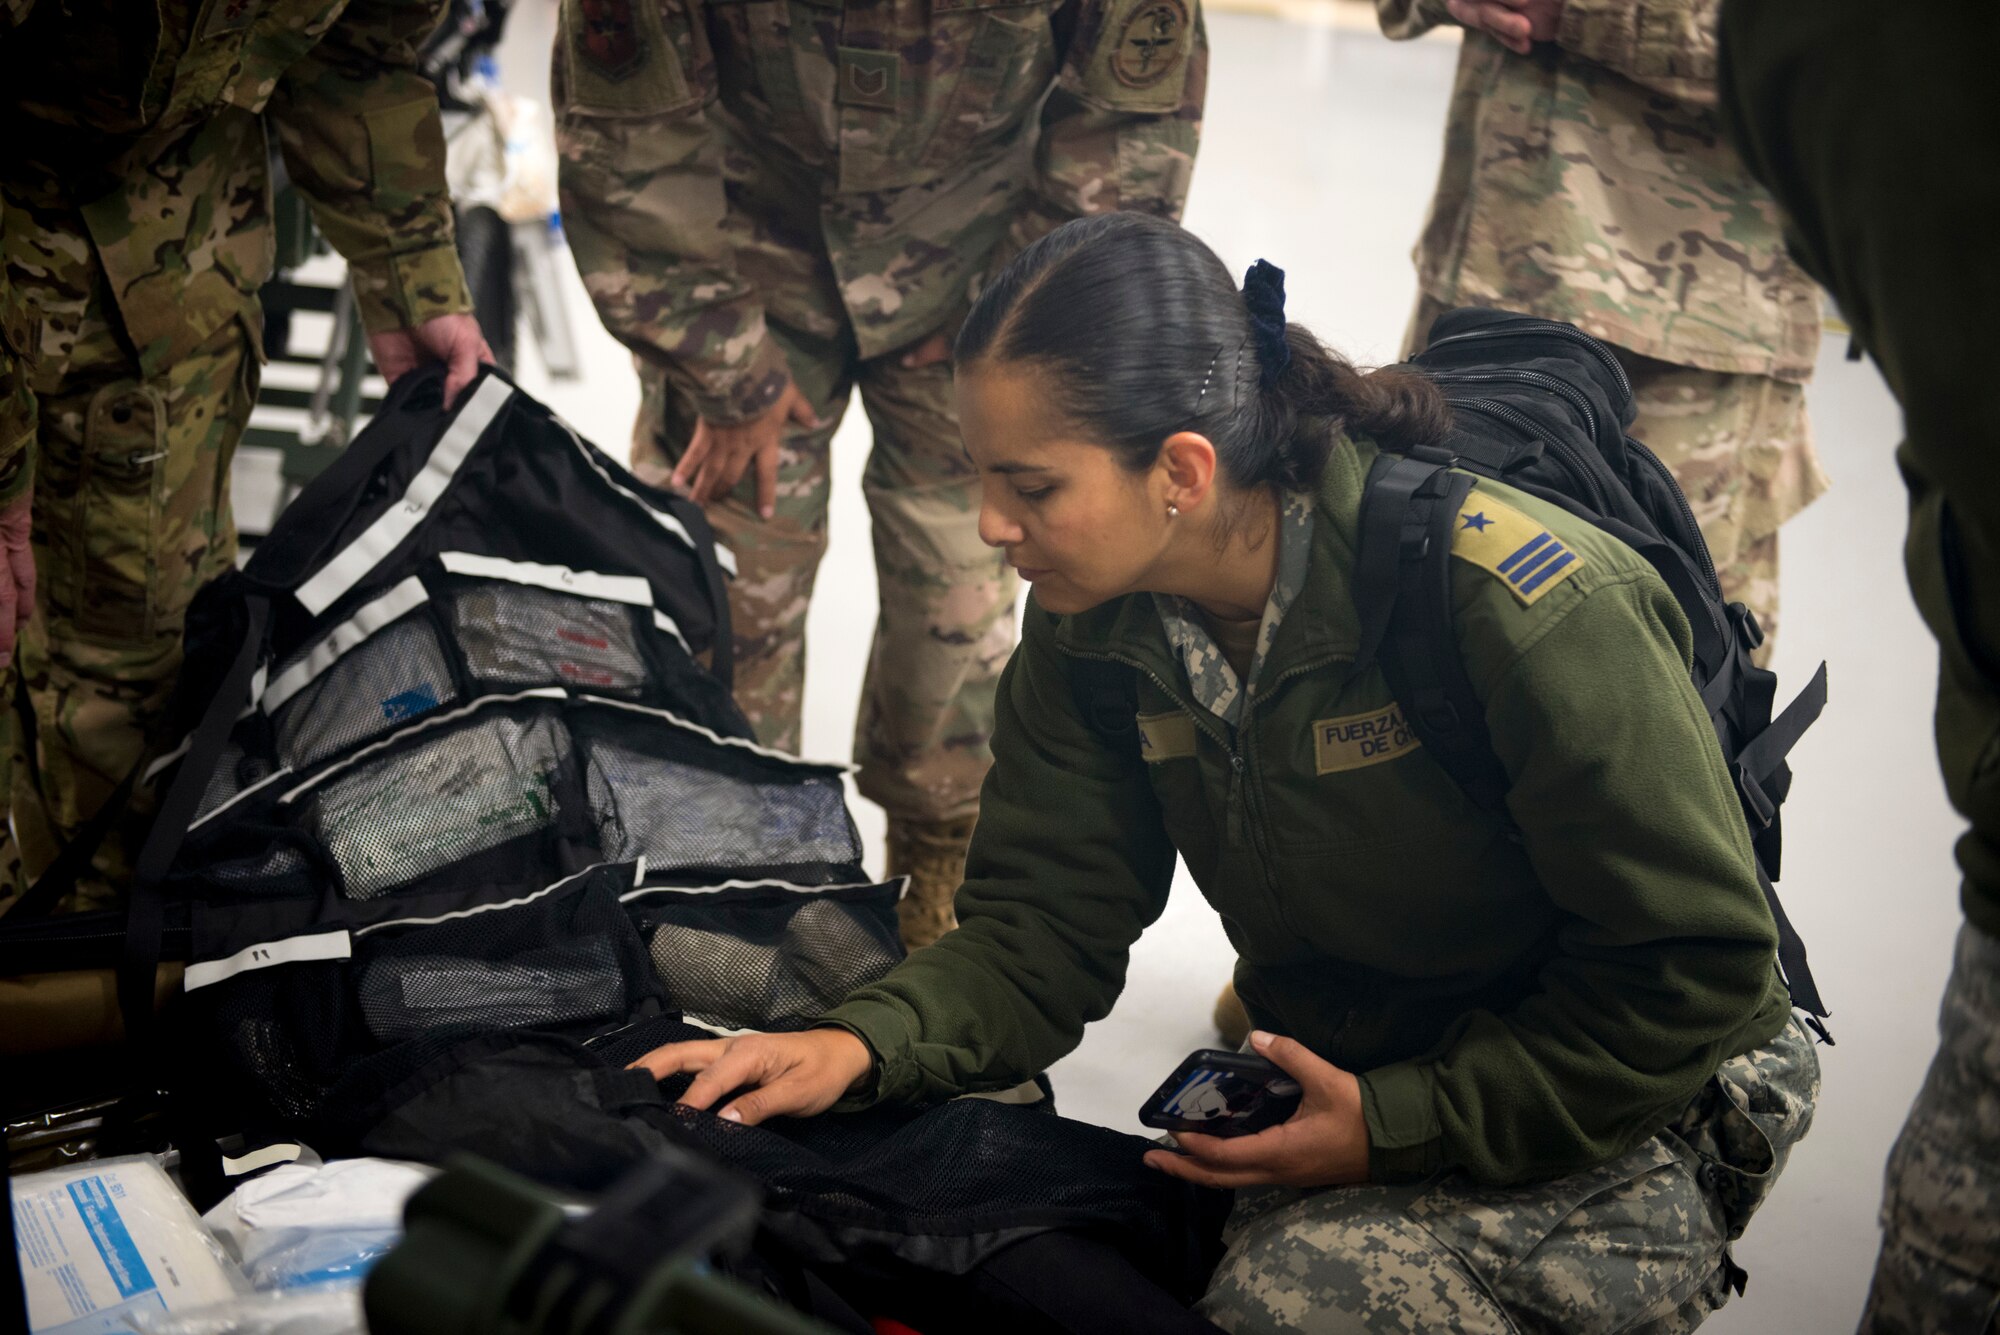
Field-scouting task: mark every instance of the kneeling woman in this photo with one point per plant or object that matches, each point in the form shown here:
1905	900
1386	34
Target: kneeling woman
1549	1069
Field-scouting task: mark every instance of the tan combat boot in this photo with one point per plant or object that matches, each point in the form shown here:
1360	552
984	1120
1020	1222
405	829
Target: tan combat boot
1231	1020
932	854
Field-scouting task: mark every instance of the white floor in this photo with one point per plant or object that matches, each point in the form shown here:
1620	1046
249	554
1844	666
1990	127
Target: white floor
1320	151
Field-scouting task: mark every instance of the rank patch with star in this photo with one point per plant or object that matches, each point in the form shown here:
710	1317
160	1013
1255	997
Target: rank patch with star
1528	558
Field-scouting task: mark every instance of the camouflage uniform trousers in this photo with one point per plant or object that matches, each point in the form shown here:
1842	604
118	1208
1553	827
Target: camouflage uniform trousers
131	516
946	624
1637	1244
1741	448
1939	1271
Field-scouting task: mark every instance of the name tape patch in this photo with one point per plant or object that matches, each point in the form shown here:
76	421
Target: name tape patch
1528	558
1165	737
1358	740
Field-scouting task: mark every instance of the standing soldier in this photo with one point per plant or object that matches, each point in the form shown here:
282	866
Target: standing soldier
135	230
1586	179
773	204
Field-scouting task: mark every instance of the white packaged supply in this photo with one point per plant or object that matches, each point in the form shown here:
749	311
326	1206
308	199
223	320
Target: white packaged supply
101	1242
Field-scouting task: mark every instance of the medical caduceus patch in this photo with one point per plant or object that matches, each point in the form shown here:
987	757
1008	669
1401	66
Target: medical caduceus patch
1151	43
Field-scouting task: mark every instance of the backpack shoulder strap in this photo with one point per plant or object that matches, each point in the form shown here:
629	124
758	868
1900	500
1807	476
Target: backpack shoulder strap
1403	594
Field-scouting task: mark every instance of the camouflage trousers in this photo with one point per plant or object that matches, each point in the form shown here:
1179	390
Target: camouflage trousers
1939	1271
131	516
1637	1244
1741	448
946	623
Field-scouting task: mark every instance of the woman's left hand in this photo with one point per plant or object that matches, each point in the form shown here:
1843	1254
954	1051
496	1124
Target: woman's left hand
1325	1142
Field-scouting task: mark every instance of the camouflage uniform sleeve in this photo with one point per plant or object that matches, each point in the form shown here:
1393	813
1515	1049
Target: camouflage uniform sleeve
1121	126
1668	46
360	132
17	401
644	205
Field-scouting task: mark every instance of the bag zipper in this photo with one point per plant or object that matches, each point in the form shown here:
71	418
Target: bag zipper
1563	451
1698	544
1555	329
1561	388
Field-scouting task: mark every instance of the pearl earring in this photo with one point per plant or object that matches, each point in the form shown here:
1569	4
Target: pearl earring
1173	511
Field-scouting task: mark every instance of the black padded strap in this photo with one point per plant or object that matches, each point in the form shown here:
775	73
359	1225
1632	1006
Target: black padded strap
1422	660
145	909
1393	482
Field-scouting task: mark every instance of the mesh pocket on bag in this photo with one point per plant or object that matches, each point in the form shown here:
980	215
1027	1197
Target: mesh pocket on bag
683	816
570	959
390	821
517	636
397	674
769	958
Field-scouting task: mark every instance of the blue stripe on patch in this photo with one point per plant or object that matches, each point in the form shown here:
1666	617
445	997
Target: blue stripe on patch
1530	546
1529	566
1548	570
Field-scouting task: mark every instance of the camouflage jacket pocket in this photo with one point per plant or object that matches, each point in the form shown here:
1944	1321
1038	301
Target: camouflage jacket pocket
631	58
905	120
1748	1117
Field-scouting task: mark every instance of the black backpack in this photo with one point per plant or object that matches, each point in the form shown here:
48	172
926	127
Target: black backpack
1543	407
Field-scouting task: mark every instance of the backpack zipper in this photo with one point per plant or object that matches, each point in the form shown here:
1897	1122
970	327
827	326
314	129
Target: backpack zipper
1563	451
1555	329
1560	388
1692	527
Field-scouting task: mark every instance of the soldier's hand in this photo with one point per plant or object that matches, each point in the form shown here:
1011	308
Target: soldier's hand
771	1075
454	340
935	349
17	571
718	455
1324	1144
1515	24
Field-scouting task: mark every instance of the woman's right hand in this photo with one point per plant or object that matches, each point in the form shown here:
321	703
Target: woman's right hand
780	1075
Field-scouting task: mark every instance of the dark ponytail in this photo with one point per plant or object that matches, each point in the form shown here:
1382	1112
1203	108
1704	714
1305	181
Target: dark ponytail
1138	332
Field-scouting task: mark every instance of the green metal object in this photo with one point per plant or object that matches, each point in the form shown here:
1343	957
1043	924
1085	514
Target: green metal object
487	1253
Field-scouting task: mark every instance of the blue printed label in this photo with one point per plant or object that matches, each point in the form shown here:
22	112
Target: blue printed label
417	700
99	1214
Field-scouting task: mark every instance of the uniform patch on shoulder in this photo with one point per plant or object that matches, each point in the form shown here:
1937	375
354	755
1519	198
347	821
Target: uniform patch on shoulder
1368	738
1168	736
1150	43
1528	558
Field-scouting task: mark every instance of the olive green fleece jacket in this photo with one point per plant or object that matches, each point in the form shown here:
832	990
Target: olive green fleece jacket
1514	1007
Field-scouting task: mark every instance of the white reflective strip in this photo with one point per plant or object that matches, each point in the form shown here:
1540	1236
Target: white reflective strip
719	1031
401	519
677	721
262	783
291	950
632	589
660	517
902	882
661	621
425	724
264	1158
477	909
404	598
153	770
726	559
638	868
